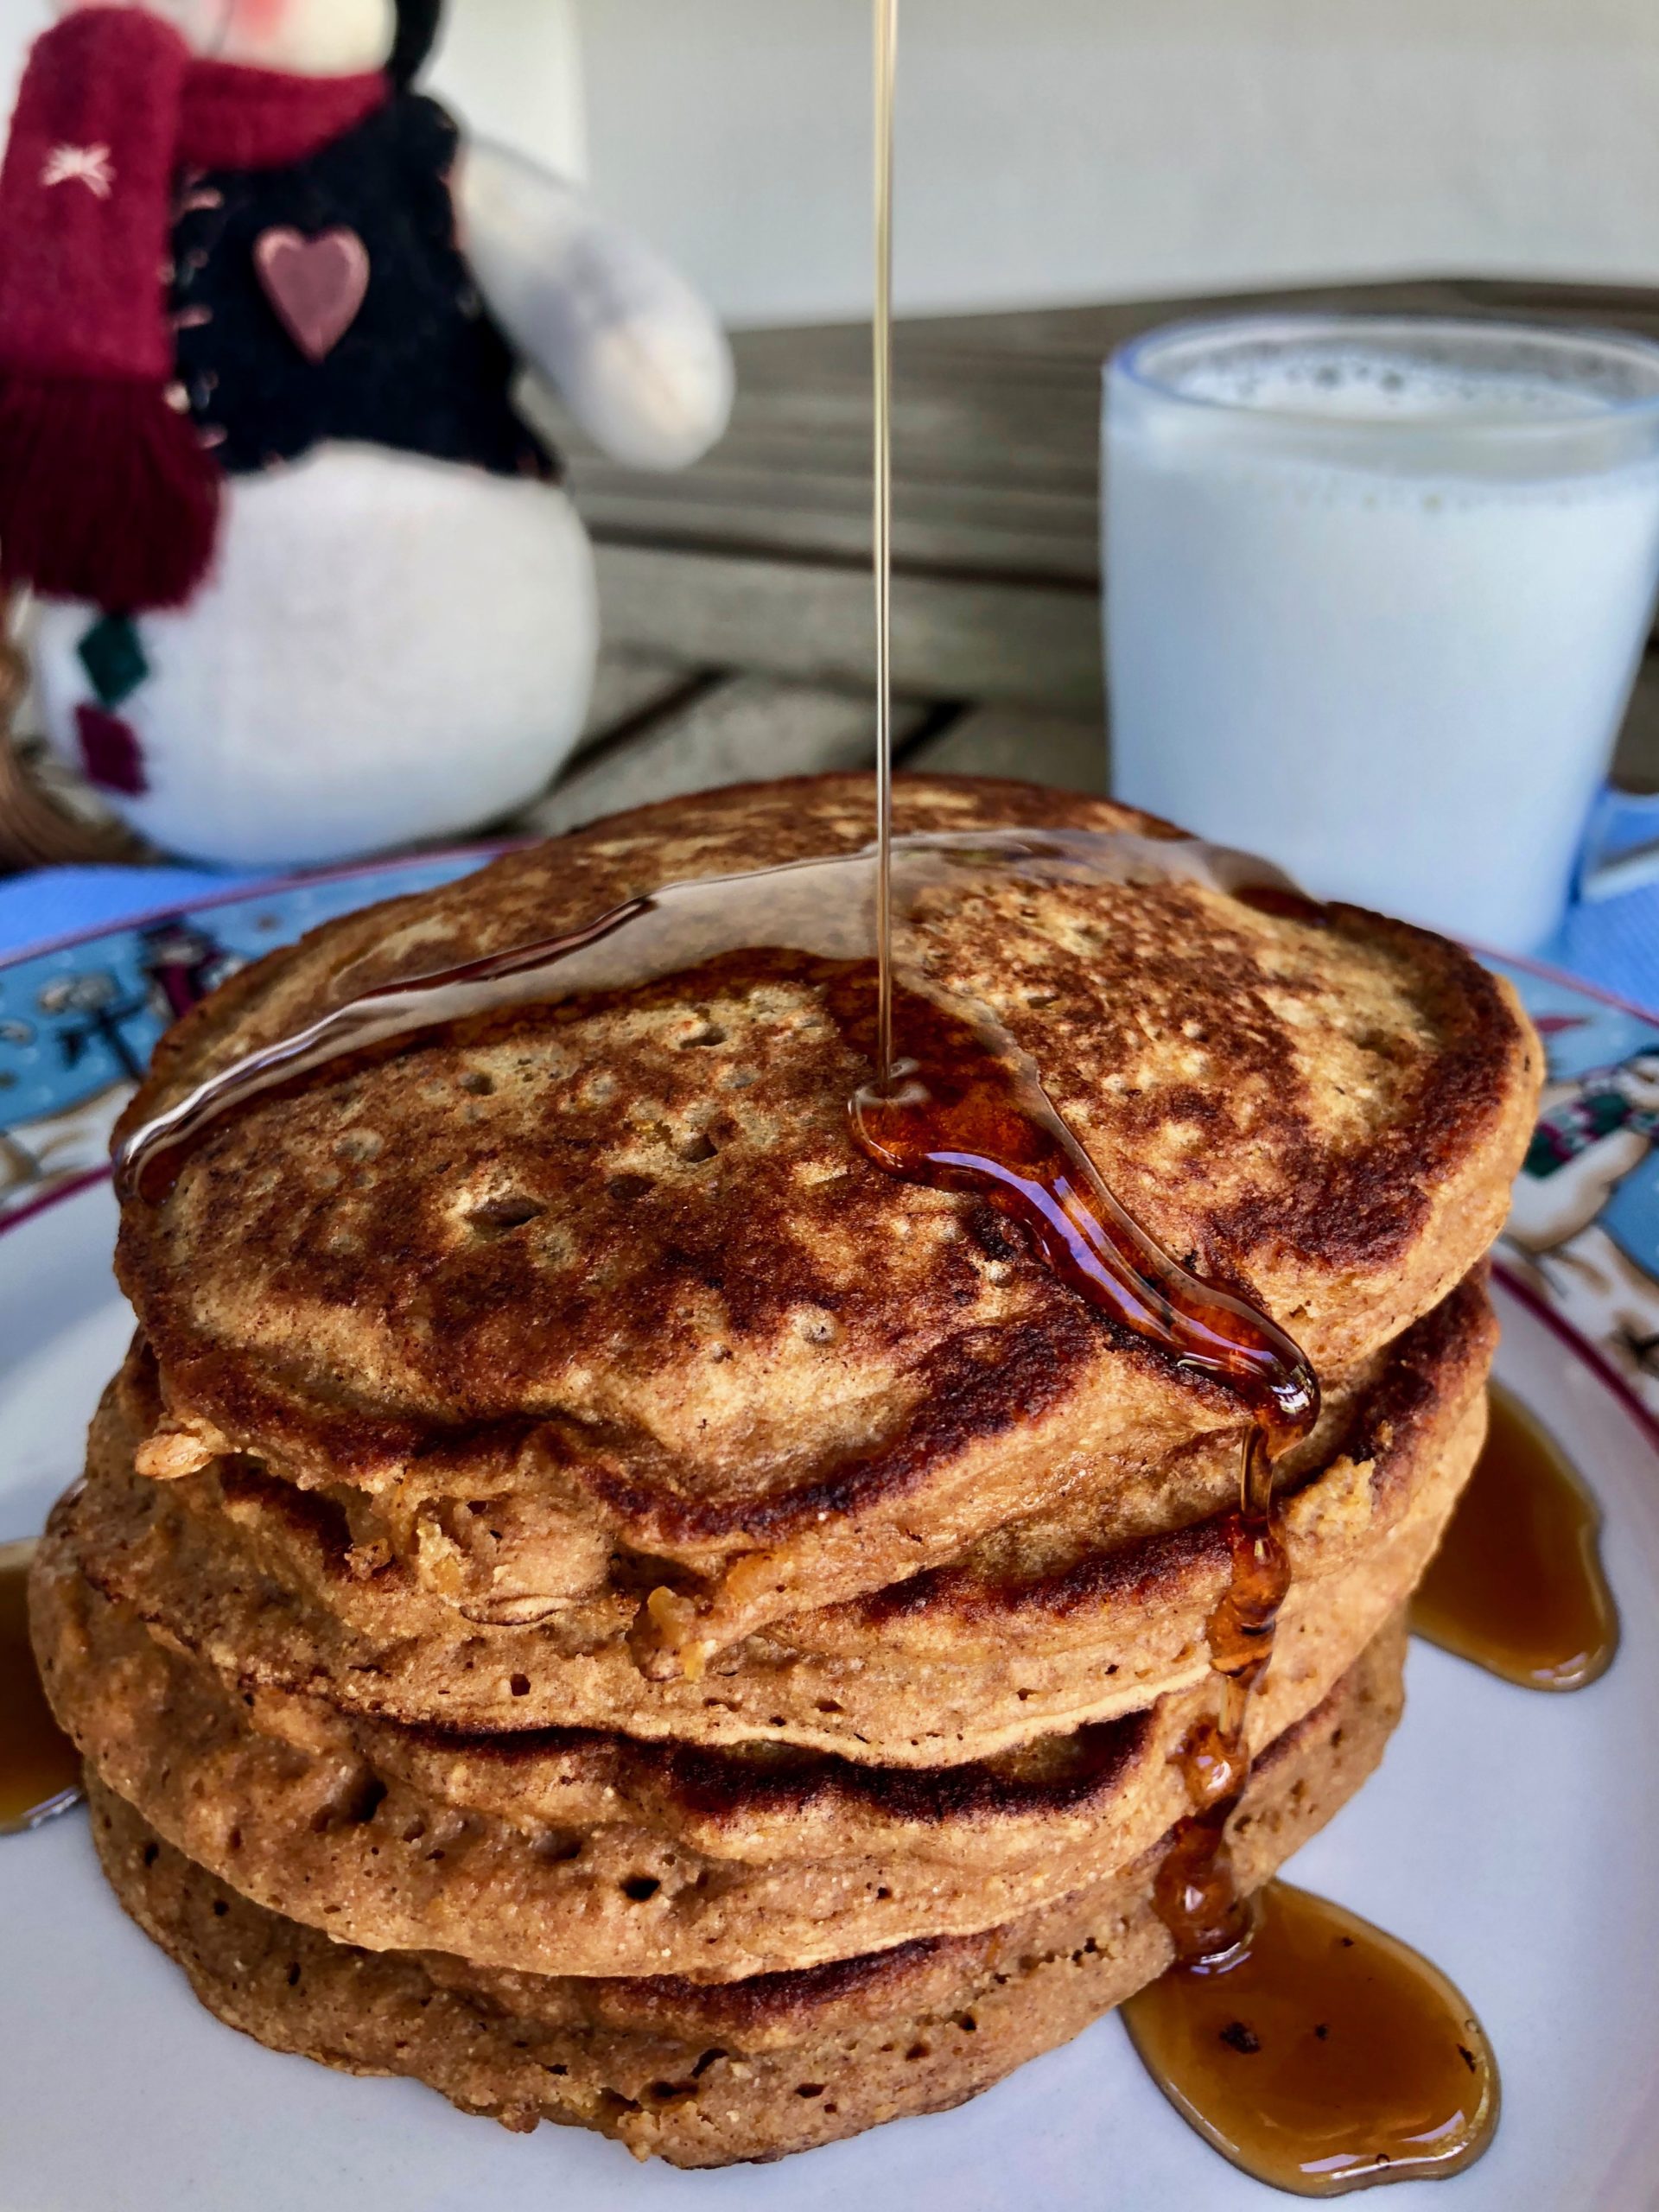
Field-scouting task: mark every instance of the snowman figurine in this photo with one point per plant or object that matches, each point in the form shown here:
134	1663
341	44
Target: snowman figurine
305	582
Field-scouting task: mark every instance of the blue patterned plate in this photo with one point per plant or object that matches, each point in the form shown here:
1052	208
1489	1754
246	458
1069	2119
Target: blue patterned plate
79	1018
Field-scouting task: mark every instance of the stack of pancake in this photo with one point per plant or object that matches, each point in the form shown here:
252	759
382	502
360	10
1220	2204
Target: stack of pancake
588	1593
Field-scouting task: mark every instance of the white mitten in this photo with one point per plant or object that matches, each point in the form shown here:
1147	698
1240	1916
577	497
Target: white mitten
633	351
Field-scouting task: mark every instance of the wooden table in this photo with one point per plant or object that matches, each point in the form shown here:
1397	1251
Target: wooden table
736	597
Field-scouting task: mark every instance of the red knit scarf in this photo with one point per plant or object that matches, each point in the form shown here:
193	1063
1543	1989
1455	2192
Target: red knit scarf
105	491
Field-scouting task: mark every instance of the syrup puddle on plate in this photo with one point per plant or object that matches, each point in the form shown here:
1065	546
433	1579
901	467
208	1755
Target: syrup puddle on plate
1323	2055
39	1769
1517	1585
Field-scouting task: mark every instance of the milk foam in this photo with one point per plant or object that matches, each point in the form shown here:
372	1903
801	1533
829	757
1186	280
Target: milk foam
1360	387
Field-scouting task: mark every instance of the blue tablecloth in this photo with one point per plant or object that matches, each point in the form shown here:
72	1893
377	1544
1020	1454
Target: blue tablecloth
1613	943
54	902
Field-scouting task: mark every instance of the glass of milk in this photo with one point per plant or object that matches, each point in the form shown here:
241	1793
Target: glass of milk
1376	592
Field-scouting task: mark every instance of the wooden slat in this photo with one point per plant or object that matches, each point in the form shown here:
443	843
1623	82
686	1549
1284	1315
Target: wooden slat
742	727
996	465
969	639
1035	747
627	688
756	558
1022	531
996	432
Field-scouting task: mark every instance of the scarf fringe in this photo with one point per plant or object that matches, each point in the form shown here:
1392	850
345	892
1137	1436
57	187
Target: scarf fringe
106	491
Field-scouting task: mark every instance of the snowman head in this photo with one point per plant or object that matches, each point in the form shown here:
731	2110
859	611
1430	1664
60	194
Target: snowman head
304	38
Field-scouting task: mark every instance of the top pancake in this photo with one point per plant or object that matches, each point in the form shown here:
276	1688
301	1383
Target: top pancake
621	1258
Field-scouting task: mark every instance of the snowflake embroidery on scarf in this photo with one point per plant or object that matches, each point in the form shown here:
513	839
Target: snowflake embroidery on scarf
87	165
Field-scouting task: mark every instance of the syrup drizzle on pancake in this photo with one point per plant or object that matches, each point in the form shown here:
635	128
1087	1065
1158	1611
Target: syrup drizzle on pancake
966	1109
1313	2050
1517	1585
822	909
40	1768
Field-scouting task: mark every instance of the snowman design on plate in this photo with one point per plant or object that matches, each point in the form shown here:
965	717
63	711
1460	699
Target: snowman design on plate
1596	1131
306	582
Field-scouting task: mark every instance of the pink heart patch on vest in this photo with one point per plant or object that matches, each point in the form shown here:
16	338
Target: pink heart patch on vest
317	286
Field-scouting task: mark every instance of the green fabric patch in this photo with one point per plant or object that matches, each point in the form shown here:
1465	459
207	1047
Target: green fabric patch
112	656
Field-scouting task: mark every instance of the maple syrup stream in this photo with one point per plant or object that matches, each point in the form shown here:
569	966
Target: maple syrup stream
886	70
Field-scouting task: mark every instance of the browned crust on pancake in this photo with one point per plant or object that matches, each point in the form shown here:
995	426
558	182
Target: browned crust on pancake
949	1388
709	2074
1042	1627
568	1851
1433	1372
1037	1631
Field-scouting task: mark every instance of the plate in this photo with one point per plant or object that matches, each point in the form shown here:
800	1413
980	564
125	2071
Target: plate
1514	1838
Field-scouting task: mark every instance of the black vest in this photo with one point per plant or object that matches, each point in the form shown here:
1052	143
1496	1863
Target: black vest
422	369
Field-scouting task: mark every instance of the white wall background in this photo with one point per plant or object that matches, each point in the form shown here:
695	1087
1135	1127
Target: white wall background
1057	149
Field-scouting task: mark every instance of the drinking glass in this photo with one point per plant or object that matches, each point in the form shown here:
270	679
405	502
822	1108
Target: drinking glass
1377	593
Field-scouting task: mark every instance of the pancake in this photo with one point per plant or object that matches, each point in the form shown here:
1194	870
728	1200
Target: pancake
619	1262
567	1851
709	2074
1041	1628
